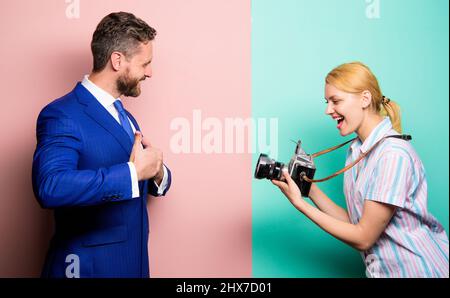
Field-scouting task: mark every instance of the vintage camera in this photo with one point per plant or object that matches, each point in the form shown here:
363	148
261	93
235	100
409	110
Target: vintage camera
300	165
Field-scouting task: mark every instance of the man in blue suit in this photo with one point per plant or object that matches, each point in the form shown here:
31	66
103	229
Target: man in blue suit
92	164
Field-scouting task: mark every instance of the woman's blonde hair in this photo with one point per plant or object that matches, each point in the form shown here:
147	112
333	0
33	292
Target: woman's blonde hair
355	77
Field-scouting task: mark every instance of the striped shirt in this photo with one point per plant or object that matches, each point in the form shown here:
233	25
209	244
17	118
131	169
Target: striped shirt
414	243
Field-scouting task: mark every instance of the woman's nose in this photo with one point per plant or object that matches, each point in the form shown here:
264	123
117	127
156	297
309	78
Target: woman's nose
329	110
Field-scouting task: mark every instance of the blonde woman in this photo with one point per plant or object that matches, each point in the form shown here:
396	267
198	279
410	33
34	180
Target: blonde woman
386	192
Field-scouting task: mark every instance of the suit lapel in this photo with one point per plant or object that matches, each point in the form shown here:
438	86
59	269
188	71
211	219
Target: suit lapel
136	125
99	114
143	185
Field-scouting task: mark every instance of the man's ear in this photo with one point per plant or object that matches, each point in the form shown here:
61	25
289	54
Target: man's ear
116	60
366	99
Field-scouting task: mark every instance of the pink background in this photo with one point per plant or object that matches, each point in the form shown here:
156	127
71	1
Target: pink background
201	61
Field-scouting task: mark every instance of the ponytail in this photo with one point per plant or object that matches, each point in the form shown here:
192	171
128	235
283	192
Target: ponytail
392	110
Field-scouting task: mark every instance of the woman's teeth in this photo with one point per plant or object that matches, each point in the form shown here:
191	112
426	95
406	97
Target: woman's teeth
339	121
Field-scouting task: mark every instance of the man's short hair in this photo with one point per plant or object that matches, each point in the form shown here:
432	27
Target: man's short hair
121	32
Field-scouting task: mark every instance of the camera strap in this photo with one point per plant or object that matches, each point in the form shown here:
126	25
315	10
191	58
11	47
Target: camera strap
351	165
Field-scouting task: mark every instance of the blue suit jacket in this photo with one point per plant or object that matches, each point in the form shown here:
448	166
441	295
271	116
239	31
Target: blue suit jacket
80	170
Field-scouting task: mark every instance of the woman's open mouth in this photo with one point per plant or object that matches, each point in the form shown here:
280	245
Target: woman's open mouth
339	120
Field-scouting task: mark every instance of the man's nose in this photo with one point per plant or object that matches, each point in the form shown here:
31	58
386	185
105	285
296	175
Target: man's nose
148	72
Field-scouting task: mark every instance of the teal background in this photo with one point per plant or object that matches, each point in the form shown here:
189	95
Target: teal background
294	45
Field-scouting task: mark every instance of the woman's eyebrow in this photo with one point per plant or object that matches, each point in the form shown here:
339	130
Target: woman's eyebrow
333	97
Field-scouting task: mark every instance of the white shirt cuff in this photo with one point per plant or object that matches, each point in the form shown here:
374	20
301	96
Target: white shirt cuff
134	181
164	182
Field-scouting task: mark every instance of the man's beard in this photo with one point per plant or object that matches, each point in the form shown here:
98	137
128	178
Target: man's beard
128	86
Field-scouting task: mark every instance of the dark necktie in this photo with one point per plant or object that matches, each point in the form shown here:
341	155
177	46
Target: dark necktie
124	119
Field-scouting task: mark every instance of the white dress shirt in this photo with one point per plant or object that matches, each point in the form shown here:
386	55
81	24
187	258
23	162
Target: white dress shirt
107	101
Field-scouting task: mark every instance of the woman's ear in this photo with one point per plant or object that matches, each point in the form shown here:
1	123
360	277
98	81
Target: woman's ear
366	99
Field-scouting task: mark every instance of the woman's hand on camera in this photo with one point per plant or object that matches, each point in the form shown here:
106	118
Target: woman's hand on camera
289	188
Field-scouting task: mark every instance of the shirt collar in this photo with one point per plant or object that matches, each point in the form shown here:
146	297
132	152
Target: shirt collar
101	95
377	134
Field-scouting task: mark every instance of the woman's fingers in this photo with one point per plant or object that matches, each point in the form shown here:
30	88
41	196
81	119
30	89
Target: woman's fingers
291	183
277	183
287	177
282	185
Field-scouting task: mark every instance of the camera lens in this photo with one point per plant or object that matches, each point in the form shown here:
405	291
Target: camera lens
263	166
268	168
